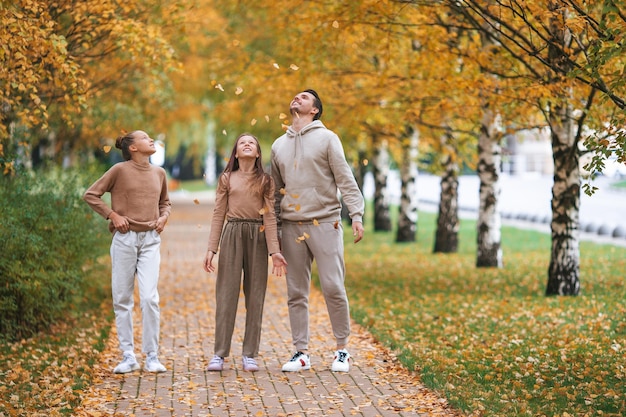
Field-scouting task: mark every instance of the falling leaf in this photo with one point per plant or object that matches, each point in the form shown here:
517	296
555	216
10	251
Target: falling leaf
297	207
282	116
336	225
295	195
294	67
267	118
275	65
335	24
239	90
315	222
196	201
306	235
253	122
219	87
262	228
283	191
263	211
224	132
106	148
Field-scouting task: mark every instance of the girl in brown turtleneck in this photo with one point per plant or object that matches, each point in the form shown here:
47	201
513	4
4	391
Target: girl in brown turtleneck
245	201
140	206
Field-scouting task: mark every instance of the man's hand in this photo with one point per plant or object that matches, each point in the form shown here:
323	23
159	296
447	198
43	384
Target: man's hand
357	231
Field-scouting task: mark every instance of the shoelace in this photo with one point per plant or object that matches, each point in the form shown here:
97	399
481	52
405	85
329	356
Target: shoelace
342	356
296	356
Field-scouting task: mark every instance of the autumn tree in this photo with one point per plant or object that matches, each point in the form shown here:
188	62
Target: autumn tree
74	71
560	45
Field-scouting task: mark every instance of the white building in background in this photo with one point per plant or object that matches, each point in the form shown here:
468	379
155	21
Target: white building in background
528	152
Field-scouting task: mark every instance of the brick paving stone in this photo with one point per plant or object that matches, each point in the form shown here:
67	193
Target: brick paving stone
376	385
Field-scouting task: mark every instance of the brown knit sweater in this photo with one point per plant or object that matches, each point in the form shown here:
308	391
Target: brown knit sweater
138	192
235	199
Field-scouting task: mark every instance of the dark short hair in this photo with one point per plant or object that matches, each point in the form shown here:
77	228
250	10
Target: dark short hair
317	103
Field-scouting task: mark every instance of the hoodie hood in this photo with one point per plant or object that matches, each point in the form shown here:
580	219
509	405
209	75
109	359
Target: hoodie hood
315	124
297	136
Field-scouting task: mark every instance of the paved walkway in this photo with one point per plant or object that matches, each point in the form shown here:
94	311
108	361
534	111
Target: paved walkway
375	386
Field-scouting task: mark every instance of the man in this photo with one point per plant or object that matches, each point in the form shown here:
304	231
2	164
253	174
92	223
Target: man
309	167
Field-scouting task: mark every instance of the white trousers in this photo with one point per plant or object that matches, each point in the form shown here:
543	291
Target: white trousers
136	254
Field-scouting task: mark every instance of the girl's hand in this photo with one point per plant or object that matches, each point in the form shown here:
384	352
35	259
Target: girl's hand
160	224
120	223
279	264
208	261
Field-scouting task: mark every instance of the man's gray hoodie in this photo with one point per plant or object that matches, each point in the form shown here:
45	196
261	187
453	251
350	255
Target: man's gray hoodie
310	170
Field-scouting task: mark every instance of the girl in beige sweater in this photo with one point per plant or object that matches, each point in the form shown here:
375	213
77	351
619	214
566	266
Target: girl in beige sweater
140	206
244	200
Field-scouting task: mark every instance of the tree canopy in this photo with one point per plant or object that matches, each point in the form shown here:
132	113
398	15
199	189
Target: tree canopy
77	72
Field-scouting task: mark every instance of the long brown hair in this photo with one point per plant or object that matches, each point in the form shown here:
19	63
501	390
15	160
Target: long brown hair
261	180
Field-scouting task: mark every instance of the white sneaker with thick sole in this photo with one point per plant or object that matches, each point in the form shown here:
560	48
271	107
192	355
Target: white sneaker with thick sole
298	362
128	364
341	363
153	365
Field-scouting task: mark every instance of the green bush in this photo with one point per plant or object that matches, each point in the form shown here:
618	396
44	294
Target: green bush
48	236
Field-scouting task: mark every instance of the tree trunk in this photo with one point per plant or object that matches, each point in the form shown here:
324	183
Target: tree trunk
407	217
564	269
447	234
382	221
360	169
488	226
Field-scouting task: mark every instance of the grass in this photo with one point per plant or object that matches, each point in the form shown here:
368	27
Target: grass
621	185
488	338
47	373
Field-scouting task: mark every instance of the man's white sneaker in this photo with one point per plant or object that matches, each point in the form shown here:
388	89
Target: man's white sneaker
298	362
128	364
341	363
216	364
152	364
249	364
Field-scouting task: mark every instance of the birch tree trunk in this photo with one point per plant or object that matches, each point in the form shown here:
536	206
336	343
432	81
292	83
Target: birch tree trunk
407	217
447	234
488	225
382	220
564	269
